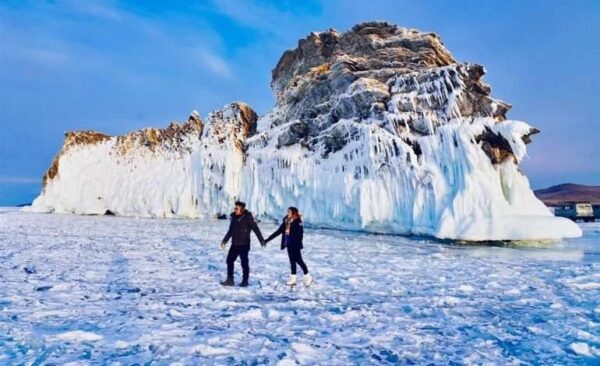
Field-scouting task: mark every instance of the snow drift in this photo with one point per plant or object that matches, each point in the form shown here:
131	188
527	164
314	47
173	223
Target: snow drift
377	129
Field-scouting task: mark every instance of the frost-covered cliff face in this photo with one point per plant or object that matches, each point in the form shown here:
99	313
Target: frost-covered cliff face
378	128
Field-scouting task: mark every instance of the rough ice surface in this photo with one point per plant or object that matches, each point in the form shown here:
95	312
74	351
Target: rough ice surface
115	290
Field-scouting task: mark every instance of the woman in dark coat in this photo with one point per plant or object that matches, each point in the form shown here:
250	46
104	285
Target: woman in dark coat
292	231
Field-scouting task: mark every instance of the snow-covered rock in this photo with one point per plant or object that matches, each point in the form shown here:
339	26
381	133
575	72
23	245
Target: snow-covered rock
378	129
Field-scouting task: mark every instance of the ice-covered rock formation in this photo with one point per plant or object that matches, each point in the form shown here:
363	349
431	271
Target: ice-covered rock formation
378	128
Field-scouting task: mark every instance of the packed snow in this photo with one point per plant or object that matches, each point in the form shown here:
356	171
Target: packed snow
114	290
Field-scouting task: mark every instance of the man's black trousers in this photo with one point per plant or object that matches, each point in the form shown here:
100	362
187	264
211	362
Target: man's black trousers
242	252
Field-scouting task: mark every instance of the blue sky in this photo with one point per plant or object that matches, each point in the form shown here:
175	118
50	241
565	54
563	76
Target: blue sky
117	66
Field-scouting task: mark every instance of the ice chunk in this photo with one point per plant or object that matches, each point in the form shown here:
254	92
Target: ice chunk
77	336
584	349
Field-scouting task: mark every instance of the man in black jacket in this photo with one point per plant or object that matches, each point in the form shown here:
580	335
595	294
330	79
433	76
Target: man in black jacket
242	222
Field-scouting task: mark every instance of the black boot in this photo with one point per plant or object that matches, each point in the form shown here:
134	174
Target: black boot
227	282
244	283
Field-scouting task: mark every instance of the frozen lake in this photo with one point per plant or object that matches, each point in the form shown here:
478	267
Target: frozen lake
115	290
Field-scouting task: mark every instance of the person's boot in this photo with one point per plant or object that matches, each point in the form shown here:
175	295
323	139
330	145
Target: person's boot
227	282
308	280
245	276
292	281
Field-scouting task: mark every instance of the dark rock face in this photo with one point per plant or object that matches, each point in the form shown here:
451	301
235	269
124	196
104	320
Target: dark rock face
312	79
296	132
497	148
376	50
404	79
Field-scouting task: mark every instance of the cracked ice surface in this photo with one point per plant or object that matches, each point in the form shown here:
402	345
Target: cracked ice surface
123	290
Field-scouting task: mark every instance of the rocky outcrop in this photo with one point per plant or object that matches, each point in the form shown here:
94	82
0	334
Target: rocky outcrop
169	138
375	50
378	128
235	123
377	71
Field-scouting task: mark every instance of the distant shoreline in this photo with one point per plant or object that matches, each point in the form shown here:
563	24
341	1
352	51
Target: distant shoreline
553	196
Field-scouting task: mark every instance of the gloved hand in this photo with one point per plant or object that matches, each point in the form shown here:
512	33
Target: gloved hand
263	243
223	245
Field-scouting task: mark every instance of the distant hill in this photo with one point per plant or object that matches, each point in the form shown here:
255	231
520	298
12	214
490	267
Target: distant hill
569	192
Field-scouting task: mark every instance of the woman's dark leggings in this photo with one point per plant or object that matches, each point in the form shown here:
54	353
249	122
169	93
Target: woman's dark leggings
295	255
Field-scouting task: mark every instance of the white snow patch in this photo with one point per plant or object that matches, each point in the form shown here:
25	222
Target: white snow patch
121	344
304	353
78	336
175	313
466	288
209	351
584	349
286	362
446	301
586	286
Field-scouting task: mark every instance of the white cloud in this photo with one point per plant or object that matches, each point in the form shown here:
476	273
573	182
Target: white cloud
214	63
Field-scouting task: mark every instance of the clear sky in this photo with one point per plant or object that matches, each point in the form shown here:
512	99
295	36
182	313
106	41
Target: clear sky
117	66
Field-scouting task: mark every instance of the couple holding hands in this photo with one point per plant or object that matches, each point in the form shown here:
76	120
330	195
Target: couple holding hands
242	222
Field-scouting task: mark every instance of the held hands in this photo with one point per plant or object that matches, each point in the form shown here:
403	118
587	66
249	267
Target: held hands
223	245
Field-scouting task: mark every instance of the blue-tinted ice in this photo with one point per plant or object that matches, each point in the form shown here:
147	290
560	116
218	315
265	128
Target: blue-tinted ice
123	290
